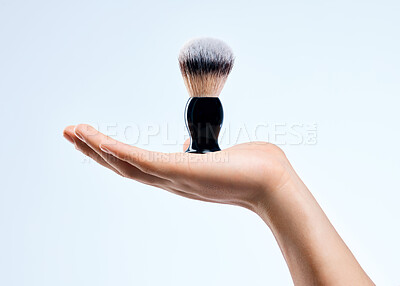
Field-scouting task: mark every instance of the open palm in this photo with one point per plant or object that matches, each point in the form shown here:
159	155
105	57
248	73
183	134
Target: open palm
238	175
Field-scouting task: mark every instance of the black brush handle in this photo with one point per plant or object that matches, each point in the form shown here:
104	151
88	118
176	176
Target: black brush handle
203	117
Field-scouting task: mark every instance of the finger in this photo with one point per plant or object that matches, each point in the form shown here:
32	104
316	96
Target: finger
171	166
81	146
85	149
69	134
94	139
186	145
156	163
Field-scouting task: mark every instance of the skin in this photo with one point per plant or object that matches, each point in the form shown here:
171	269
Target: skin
257	176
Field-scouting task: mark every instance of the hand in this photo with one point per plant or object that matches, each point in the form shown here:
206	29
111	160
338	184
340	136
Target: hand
242	175
257	176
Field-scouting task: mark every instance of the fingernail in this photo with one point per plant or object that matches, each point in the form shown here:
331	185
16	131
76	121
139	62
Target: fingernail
69	138
79	136
104	149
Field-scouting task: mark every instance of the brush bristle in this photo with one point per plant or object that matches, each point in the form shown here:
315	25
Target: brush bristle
205	64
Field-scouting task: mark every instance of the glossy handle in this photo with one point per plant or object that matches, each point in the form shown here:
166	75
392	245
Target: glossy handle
203	117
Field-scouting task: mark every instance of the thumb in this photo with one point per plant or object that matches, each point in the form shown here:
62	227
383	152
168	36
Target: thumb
186	145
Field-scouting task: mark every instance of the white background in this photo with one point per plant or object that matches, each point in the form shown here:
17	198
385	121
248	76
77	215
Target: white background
67	221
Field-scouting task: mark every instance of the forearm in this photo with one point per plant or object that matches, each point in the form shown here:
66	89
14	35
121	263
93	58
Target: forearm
313	250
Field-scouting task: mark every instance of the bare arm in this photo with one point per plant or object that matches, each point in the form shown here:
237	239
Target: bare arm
256	176
313	250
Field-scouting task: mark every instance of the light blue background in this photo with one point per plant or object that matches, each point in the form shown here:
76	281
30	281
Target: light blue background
64	221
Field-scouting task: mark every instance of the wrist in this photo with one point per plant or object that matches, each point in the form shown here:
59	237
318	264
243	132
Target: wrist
278	184
290	198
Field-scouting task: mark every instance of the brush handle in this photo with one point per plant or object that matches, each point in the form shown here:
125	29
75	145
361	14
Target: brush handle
203	117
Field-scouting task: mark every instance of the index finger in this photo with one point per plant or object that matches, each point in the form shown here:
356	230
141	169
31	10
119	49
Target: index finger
159	164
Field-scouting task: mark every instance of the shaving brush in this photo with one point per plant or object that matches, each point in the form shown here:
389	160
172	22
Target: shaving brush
205	64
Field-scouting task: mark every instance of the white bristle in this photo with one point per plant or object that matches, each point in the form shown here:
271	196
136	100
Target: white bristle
205	64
